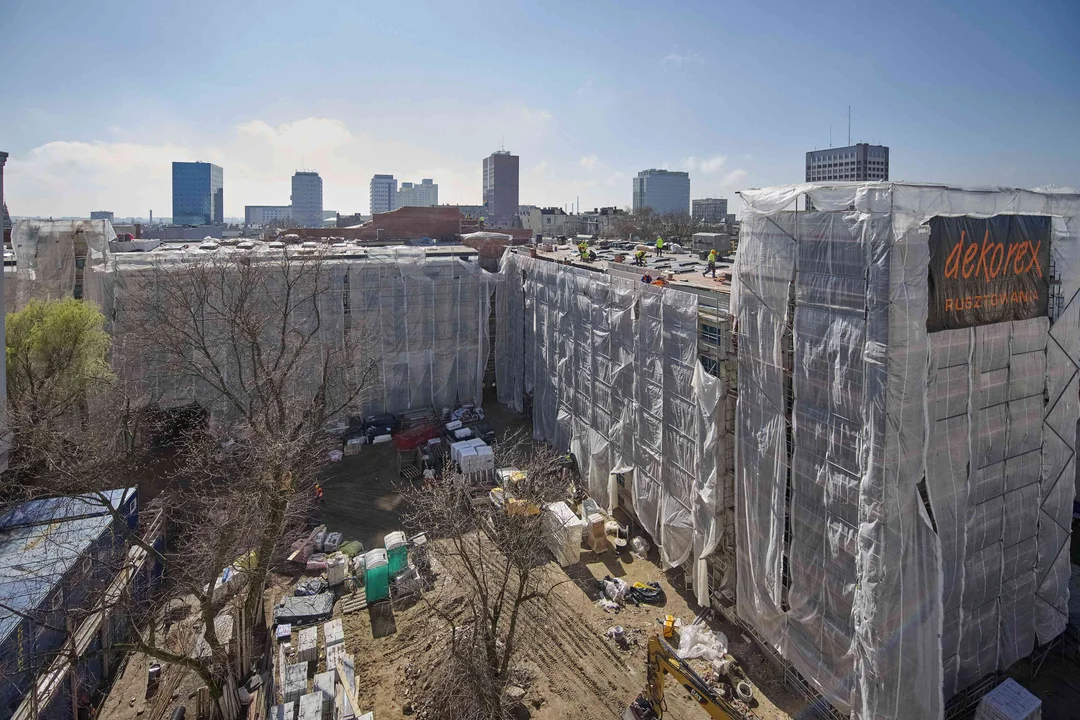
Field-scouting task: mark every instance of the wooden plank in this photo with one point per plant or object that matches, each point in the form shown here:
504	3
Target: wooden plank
349	691
355	602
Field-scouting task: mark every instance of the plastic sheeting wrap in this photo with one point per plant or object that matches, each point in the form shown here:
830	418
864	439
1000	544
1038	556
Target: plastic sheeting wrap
422	320
903	498
613	369
45	255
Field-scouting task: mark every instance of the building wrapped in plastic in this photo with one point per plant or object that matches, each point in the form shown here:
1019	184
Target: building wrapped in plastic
611	367
906	428
421	315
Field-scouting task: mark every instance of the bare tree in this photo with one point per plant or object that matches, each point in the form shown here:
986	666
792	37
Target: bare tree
646	225
497	560
264	344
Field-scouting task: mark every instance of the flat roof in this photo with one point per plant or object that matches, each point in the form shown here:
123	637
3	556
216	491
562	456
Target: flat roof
348	251
686	266
39	542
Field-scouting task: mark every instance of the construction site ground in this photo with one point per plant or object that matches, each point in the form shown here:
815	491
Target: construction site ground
578	672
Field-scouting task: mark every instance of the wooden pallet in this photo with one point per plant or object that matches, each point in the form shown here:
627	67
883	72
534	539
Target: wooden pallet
355	602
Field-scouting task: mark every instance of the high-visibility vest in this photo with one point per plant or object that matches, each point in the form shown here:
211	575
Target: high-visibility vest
659	242
712	256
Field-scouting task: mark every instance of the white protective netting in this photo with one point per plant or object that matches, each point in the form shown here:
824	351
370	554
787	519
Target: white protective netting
612	366
422	319
847	404
45	255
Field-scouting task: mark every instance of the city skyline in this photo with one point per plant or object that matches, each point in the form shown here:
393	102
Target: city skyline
583	121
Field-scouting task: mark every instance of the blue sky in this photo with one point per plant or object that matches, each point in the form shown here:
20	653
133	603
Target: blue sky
98	98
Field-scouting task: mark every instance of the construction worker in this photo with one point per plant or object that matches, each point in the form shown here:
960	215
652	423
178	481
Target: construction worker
659	247
711	267
639	258
646	278
318	492
583	250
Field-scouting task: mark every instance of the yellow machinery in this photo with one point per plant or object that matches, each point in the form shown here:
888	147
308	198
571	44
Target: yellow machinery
662	660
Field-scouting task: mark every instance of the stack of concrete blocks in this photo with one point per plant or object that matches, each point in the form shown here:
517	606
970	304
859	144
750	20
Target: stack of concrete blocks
1009	701
295	682
307	646
286	711
325	683
333	634
311	707
473	456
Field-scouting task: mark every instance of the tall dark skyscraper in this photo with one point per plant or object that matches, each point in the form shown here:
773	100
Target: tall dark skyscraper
198	196
501	188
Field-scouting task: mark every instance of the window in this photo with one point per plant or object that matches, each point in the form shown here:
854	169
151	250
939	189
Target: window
710	334
710	365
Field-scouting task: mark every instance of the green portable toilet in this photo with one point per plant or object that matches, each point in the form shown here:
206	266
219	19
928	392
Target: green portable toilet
376	575
397	552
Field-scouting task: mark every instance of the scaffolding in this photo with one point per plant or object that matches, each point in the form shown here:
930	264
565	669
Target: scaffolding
420	314
903	495
612	369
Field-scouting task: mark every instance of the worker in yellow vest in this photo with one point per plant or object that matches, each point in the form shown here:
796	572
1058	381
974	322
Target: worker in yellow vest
639	258
711	267
583	249
659	247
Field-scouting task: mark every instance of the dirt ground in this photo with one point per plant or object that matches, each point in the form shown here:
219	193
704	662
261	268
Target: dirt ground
361	497
579	672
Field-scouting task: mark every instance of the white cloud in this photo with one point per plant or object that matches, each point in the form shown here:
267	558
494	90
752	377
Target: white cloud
677	59
705	165
735	178
588	162
72	178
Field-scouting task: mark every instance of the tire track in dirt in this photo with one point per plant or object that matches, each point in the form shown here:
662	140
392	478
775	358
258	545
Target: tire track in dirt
578	664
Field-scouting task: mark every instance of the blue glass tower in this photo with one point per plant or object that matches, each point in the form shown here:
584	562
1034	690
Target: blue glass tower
198	194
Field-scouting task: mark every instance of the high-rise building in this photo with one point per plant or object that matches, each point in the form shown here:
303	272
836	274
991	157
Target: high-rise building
307	200
383	193
711	211
424	194
501	188
855	163
263	215
665	191
198	195
101	215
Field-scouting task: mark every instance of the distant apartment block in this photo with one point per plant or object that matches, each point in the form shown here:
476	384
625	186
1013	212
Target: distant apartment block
307	198
665	191
383	193
102	215
198	194
422	194
266	215
501	188
856	163
711	211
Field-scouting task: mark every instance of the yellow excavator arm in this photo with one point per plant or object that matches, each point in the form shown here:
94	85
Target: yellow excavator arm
662	660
